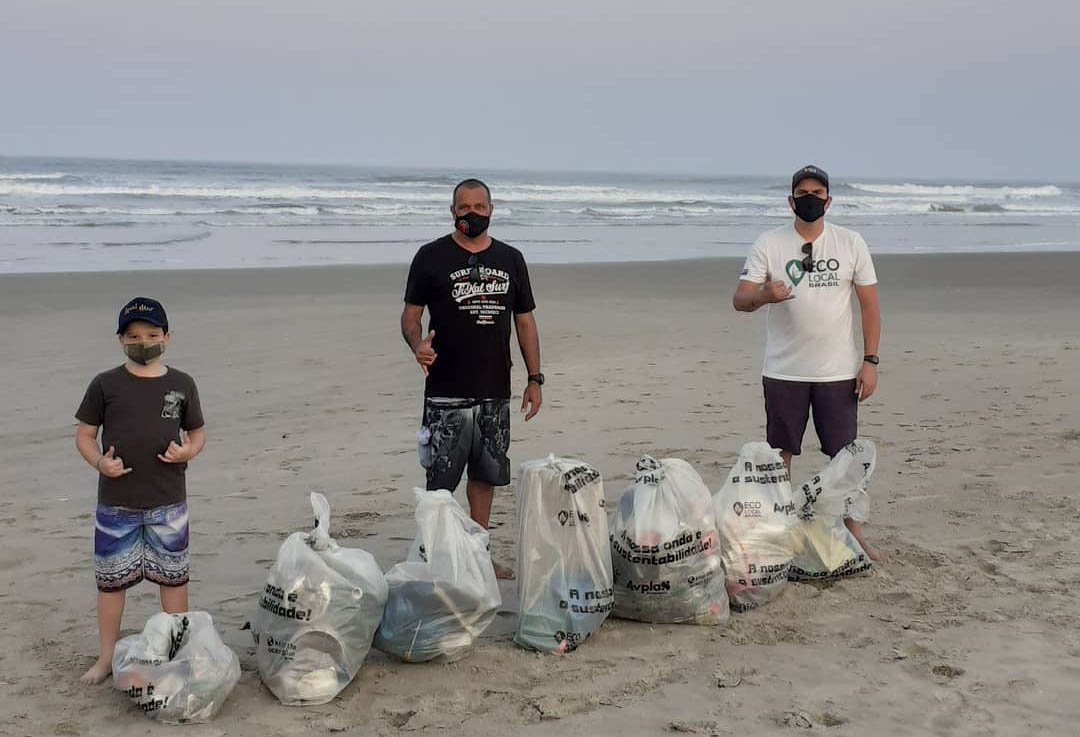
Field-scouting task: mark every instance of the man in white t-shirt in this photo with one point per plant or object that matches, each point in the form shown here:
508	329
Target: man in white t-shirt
806	272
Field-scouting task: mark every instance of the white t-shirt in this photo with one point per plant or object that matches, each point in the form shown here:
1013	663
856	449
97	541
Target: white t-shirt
812	337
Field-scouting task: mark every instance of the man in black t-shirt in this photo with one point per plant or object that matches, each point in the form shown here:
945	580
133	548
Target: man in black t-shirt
471	284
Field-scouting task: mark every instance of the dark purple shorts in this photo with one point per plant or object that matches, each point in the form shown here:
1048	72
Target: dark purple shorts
787	409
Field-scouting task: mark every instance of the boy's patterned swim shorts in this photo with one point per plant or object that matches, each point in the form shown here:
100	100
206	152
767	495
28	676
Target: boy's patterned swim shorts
133	544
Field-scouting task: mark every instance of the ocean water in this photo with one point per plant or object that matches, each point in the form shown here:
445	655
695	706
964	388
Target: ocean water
100	215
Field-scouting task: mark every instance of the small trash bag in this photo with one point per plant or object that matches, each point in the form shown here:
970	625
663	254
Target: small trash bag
317	614
824	547
755	514
177	670
445	594
665	548
564	556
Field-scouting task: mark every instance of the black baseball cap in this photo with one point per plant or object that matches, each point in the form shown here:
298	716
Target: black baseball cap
145	309
810	172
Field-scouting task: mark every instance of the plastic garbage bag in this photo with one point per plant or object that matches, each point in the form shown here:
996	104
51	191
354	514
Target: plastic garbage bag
177	669
445	594
665	548
824	547
317	614
755	515
564	556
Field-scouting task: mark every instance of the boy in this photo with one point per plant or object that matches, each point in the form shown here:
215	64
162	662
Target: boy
152	425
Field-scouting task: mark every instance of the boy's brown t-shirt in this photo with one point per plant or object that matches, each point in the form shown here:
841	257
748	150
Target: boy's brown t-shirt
139	416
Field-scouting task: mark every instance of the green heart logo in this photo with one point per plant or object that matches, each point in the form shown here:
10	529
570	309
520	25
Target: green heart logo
795	271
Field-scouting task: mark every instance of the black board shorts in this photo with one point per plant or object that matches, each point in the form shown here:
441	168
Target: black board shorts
787	409
466	433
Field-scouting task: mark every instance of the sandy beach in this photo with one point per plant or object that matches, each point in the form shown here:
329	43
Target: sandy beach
971	627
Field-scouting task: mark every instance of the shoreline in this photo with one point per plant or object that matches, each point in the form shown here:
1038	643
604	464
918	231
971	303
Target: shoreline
403	265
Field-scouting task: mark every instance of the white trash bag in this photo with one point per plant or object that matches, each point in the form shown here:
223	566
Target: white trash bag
317	614
177	670
445	594
824	547
665	548
755	515
564	556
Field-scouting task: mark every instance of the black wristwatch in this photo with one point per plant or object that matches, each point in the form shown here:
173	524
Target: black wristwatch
538	378
871	358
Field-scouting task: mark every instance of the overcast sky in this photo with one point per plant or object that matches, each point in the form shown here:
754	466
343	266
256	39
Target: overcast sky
919	88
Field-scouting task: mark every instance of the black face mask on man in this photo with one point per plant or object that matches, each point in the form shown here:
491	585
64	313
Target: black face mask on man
471	224
810	208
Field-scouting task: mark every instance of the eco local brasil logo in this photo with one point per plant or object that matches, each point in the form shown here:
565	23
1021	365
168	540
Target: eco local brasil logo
826	272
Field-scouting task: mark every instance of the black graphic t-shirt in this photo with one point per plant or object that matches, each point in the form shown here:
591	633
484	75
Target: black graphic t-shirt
139	416
470	314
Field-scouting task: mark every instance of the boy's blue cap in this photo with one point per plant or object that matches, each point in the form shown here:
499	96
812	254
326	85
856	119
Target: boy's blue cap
145	309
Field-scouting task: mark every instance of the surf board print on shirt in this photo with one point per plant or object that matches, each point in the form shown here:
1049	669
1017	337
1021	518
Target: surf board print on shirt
482	299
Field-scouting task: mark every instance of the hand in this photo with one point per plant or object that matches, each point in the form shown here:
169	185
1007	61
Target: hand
425	354
110	465
775	291
177	453
866	381
531	400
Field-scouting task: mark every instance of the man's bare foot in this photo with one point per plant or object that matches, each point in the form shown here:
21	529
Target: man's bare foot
98	672
856	529
503	572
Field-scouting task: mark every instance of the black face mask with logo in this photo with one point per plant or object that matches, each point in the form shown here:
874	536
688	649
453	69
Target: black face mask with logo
809	208
471	224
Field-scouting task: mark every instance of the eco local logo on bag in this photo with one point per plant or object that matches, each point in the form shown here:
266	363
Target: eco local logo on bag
826	273
753	508
572	517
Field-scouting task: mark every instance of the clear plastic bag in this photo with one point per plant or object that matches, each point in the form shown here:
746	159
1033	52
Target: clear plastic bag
445	594
824	547
755	514
317	614
564	556
665	548
177	670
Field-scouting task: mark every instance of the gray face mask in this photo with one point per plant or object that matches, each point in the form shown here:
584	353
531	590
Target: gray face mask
144	353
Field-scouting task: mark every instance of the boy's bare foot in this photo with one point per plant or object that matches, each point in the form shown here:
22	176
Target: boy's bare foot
856	531
98	672
503	572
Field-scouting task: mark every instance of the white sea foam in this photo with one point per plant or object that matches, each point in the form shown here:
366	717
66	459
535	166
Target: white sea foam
16	175
964	190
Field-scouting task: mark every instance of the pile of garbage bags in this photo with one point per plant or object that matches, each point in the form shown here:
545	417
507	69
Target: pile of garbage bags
755	514
445	594
177	670
317	614
564	557
665	549
824	547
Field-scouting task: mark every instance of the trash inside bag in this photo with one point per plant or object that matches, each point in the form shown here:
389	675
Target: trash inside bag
177	670
317	614
564	556
445	594
665	548
755	515
824	547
